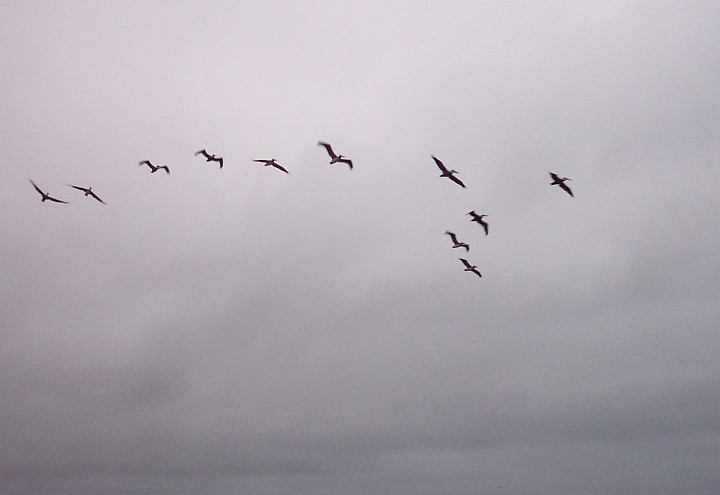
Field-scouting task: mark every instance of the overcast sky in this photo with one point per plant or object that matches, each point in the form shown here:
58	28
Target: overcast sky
248	331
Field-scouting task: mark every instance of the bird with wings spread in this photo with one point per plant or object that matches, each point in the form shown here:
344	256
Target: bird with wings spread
456	243
560	181
46	196
450	174
153	168
335	158
470	268
273	163
88	192
209	157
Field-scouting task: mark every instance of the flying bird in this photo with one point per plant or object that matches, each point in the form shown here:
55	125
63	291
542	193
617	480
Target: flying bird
46	196
209	157
272	163
88	192
479	219
153	168
557	181
470	268
456	243
450	174
335	158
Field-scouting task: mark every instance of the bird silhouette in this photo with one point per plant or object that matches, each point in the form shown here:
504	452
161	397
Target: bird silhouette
479	219
153	168
272	163
456	243
88	192
450	174
209	157
46	196
335	158
558	181
470	268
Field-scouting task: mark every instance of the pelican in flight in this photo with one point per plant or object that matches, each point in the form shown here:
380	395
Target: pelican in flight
209	157
456	243
479	219
272	163
153	168
46	196
470	268
335	158
450	174
557	181
88	192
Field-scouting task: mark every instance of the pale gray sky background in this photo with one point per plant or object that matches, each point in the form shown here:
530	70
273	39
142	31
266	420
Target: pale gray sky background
246	331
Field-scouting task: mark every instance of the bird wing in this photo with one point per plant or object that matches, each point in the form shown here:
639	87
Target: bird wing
96	197
328	148
566	188
485	225
167	169
554	176
56	200
219	160
280	167
349	162
452	236
440	165
201	152
145	162
262	161
456	180
79	188
475	271
466	263
37	188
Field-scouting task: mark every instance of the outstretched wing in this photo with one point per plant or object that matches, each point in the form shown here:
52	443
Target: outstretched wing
456	180
263	161
440	165
476	272
167	169
566	188
554	176
452	236
146	162
202	152
56	200
466	263
97	197
37	188
79	188
484	225
280	167
220	160
349	162
328	148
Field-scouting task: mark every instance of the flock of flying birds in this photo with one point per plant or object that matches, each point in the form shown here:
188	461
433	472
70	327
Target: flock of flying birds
334	158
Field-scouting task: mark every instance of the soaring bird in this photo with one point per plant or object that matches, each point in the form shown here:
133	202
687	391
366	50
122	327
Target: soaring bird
46	196
557	181
479	219
272	163
456	243
335	158
153	168
470	268
88	192
450	174
209	157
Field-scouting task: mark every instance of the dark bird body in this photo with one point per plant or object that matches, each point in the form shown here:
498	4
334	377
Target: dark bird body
209	157
450	174
88	192
470	268
153	168
558	181
46	196
456	243
479	219
272	163
335	158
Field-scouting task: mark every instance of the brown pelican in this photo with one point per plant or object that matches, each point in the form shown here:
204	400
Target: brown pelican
447	173
272	163
46	196
456	243
470	268
153	168
335	158
209	157
479	219
557	181
88	192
